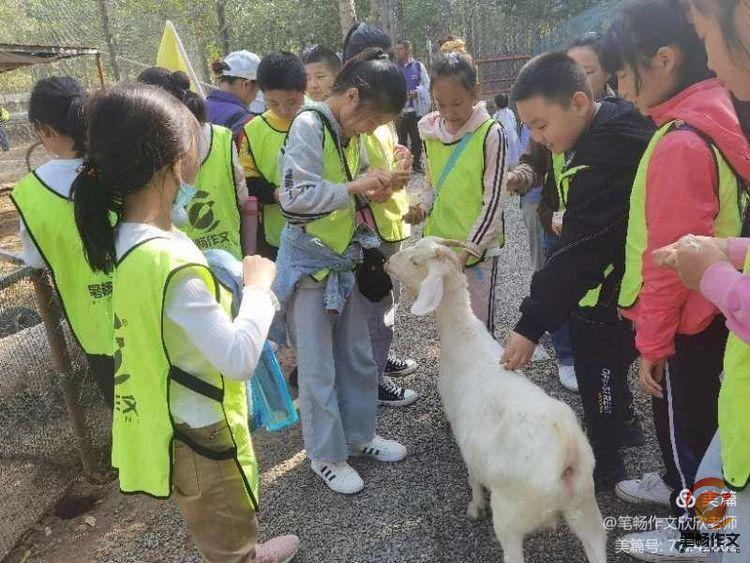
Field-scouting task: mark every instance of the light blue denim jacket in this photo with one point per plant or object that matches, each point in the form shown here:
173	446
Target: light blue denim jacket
301	254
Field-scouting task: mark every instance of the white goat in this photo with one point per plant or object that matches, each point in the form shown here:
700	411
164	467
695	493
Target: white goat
523	446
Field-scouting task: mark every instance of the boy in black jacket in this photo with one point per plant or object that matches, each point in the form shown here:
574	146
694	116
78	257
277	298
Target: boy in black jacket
603	143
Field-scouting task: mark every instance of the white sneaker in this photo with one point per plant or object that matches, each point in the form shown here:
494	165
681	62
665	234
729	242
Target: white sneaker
662	544
380	449
340	477
568	378
650	490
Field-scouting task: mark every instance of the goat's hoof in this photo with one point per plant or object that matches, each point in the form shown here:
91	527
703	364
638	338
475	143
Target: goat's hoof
475	512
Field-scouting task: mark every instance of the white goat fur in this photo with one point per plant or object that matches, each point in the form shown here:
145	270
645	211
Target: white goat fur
526	448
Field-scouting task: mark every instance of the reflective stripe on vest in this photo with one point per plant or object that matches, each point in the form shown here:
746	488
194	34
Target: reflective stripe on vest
213	214
86	295
727	223
734	421
142	424
461	198
389	216
265	143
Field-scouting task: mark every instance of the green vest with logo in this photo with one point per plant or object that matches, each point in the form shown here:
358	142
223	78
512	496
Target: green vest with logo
86	295
142	424
265	143
213	214
734	421
460	199
389	216
728	222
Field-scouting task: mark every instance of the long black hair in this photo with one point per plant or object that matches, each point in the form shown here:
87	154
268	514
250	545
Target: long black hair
642	28
178	84
58	102
377	79
134	131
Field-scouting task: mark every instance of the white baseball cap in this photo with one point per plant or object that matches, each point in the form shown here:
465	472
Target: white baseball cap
242	64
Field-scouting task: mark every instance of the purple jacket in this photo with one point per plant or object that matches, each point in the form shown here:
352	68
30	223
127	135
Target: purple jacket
224	108
412	72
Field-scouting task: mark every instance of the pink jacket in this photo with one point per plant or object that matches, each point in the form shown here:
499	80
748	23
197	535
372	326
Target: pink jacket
681	198
729	290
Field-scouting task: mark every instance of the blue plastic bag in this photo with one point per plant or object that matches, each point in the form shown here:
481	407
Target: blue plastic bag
272	405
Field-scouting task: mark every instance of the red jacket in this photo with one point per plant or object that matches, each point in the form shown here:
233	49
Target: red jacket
681	198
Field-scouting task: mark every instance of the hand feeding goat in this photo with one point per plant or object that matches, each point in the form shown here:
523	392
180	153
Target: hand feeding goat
525	447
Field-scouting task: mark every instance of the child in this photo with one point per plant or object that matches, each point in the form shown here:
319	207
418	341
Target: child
505	117
686	183
387	219
320	247
539	166
48	234
180	422
465	177
602	143
711	265
281	77
229	105
212	218
321	67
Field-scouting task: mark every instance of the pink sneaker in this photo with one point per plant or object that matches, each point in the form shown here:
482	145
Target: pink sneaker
278	550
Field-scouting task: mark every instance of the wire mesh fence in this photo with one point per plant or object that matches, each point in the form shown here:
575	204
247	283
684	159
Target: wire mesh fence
54	426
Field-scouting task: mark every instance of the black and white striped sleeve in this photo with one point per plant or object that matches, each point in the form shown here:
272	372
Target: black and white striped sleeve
489	223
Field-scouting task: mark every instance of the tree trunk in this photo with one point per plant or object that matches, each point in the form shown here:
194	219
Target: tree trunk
399	16
109	39
347	15
221	17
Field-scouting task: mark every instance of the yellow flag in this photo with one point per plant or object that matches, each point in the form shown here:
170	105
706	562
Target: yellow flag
172	56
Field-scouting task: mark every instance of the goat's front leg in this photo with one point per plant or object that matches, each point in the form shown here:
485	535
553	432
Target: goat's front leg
478	505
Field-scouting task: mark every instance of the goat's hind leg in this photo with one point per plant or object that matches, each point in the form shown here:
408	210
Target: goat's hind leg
508	520
585	519
478	506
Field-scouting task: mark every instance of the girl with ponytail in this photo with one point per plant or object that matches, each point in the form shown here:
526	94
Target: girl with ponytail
179	426
323	197
48	232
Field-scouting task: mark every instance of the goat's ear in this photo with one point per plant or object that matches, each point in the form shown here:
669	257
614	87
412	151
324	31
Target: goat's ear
430	291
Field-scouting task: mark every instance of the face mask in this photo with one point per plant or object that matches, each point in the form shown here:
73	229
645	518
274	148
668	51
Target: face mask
184	195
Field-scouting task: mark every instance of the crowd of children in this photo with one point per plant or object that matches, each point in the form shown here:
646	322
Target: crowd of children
639	200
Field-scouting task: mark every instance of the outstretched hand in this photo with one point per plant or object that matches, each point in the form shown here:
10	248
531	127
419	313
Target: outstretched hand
518	352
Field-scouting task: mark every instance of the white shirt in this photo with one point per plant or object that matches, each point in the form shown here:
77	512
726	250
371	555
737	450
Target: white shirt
58	174
211	338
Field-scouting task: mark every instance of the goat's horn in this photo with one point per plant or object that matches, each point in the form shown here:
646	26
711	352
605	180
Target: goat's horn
457	243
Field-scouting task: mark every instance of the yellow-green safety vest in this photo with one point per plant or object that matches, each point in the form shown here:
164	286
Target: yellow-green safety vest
728	222
734	421
563	178
213	214
86	295
265	143
336	230
461	197
143	429
389	216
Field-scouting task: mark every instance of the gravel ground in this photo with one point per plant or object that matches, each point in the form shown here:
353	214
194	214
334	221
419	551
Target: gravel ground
413	511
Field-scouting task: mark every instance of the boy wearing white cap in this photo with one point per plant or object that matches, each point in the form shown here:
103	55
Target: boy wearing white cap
229	105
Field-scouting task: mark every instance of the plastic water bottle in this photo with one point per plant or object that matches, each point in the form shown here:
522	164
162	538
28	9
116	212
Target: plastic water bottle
250	226
273	408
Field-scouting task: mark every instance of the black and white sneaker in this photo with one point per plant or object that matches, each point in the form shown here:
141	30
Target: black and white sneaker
340	477
392	395
399	367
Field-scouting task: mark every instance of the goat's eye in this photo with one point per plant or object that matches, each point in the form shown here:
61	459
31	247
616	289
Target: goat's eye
414	262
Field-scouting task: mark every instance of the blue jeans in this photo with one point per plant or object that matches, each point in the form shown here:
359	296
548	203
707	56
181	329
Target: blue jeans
561	337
